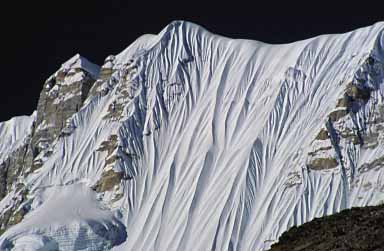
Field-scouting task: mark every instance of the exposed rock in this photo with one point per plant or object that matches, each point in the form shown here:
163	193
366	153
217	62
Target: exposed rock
109	145
337	114
293	179
54	110
105	73
358	92
107	69
108	181
115	111
353	136
343	102
377	163
370	140
363	133
111	160
13	166
105	79
63	96
319	150
355	229
322	163
117	197
322	135
16	212
125	92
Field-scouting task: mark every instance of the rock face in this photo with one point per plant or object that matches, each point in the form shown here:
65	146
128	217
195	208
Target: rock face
355	122
350	230
190	141
15	137
12	167
62	96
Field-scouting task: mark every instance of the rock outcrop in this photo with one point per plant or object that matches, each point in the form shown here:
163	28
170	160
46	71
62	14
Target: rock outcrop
356	229
63	94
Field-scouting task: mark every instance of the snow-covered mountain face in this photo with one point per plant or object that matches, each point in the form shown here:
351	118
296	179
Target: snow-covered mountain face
191	141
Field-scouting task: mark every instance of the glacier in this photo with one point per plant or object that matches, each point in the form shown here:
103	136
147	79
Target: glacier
188	140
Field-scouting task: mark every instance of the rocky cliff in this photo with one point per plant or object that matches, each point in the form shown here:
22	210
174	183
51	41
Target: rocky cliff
356	229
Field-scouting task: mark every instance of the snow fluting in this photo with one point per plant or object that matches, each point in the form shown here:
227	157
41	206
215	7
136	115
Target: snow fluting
188	140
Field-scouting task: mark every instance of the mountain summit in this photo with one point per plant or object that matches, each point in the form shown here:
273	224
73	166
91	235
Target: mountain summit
188	140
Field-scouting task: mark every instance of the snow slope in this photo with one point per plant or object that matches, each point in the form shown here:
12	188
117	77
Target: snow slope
211	138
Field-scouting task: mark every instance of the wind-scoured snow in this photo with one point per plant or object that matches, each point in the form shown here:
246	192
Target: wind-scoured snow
214	136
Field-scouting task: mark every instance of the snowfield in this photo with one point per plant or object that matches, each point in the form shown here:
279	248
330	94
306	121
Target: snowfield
215	142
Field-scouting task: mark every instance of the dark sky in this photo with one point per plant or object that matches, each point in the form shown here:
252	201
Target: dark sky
37	36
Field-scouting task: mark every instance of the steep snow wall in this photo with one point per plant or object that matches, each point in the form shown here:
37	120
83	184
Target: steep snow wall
193	141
